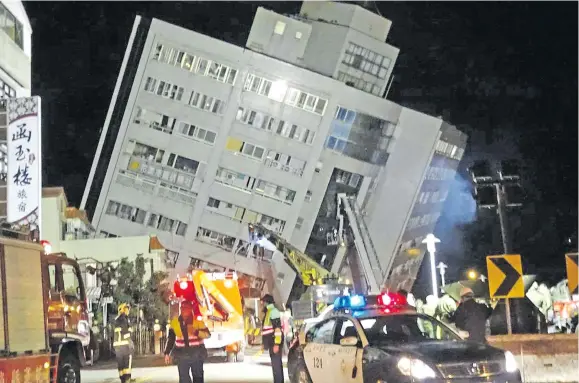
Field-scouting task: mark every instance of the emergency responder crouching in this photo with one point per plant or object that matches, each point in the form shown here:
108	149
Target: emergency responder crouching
123	343
185	343
272	337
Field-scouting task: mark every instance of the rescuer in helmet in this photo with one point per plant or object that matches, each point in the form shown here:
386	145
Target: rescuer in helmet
185	343
123	343
272	336
471	316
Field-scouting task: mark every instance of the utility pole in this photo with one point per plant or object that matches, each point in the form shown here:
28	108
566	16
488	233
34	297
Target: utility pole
505	175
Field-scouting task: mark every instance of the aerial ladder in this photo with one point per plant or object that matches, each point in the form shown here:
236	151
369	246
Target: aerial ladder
366	271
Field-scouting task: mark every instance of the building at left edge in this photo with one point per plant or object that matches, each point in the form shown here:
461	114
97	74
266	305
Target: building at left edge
15	73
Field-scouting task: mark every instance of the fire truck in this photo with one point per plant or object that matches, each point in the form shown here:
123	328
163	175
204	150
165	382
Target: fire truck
220	305
43	315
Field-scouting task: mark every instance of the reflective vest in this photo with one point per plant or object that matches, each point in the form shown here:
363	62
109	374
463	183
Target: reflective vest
122	336
267	328
194	340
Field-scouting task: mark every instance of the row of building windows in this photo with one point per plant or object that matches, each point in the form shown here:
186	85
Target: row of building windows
239	213
196	64
273	158
11	26
366	60
140	216
175	92
166	124
435	173
449	150
280	127
251	184
279	91
358	83
432	197
423	220
164	89
156	155
346	178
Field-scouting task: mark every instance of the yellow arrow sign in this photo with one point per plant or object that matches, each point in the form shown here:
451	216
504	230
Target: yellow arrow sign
505	273
572	262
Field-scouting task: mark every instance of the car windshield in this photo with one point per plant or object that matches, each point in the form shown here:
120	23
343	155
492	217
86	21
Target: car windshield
405	328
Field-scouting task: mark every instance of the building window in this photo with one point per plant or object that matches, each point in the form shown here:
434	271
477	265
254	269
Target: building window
298	35
215	238
197	133
11	26
164	89
347	178
299	223
5	90
126	212
206	103
257	85
274	191
245	148
183	164
285	162
279	127
308	196
146	152
279	28
214	203
306	101
367	61
196	64
154	120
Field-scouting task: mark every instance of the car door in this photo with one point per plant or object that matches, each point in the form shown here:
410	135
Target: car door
349	358
319	350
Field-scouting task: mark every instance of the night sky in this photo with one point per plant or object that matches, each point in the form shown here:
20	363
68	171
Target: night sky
504	73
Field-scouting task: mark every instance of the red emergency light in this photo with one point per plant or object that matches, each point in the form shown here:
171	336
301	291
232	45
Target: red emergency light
392	301
185	290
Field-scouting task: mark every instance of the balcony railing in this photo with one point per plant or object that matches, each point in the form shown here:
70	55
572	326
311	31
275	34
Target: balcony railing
278	165
156	187
154	125
160	172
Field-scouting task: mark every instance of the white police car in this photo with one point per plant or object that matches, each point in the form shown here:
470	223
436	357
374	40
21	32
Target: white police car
380	338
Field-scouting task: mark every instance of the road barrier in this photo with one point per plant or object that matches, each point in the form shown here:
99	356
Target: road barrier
543	358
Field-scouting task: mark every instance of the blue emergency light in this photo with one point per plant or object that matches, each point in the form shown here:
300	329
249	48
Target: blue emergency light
350	302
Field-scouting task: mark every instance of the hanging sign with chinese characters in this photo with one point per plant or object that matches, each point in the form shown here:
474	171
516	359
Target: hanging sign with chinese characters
24	176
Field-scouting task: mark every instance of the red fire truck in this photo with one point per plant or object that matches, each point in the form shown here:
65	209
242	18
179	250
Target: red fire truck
43	315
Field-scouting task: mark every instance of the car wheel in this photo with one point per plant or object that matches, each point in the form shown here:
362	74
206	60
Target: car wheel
301	375
68	368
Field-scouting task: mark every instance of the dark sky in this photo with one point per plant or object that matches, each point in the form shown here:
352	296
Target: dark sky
504	72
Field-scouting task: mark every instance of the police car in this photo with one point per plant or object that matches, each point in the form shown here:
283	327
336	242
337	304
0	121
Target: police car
380	338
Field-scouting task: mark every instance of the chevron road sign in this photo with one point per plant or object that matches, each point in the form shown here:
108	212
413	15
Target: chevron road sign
505	274
572	262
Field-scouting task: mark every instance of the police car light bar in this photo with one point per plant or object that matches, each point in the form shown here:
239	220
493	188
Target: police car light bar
358	302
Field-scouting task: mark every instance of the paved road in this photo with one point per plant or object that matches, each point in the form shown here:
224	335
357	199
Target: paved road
247	372
255	369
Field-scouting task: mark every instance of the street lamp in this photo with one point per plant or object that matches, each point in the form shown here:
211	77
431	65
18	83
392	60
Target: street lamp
431	242
442	269
472	274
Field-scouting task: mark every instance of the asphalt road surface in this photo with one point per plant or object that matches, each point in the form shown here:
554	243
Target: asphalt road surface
247	372
151	369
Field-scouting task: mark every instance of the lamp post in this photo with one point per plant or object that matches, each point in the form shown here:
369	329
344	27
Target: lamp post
431	242
442	270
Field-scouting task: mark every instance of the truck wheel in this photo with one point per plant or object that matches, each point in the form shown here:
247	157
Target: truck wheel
68	368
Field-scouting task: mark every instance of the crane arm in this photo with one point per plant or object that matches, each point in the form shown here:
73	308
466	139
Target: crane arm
309	270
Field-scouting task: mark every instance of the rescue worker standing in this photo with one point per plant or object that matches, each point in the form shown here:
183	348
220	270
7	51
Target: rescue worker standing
272	337
471	316
123	343
185	343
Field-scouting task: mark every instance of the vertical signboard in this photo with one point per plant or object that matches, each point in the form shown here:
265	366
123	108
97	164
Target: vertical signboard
24	173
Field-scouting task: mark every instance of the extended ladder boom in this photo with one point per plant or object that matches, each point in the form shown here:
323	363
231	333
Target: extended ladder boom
309	271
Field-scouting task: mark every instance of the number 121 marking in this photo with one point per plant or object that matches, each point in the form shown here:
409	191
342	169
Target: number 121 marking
317	362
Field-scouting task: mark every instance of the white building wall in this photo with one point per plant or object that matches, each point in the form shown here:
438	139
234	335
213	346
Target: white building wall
16	61
391	190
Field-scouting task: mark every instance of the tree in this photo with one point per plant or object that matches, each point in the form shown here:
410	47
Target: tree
148	296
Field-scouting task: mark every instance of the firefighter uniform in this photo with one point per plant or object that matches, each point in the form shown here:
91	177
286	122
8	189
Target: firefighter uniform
185	344
272	335
123	344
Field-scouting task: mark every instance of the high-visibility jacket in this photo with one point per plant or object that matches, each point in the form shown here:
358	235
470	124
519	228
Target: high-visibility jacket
271	330
122	335
183	335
